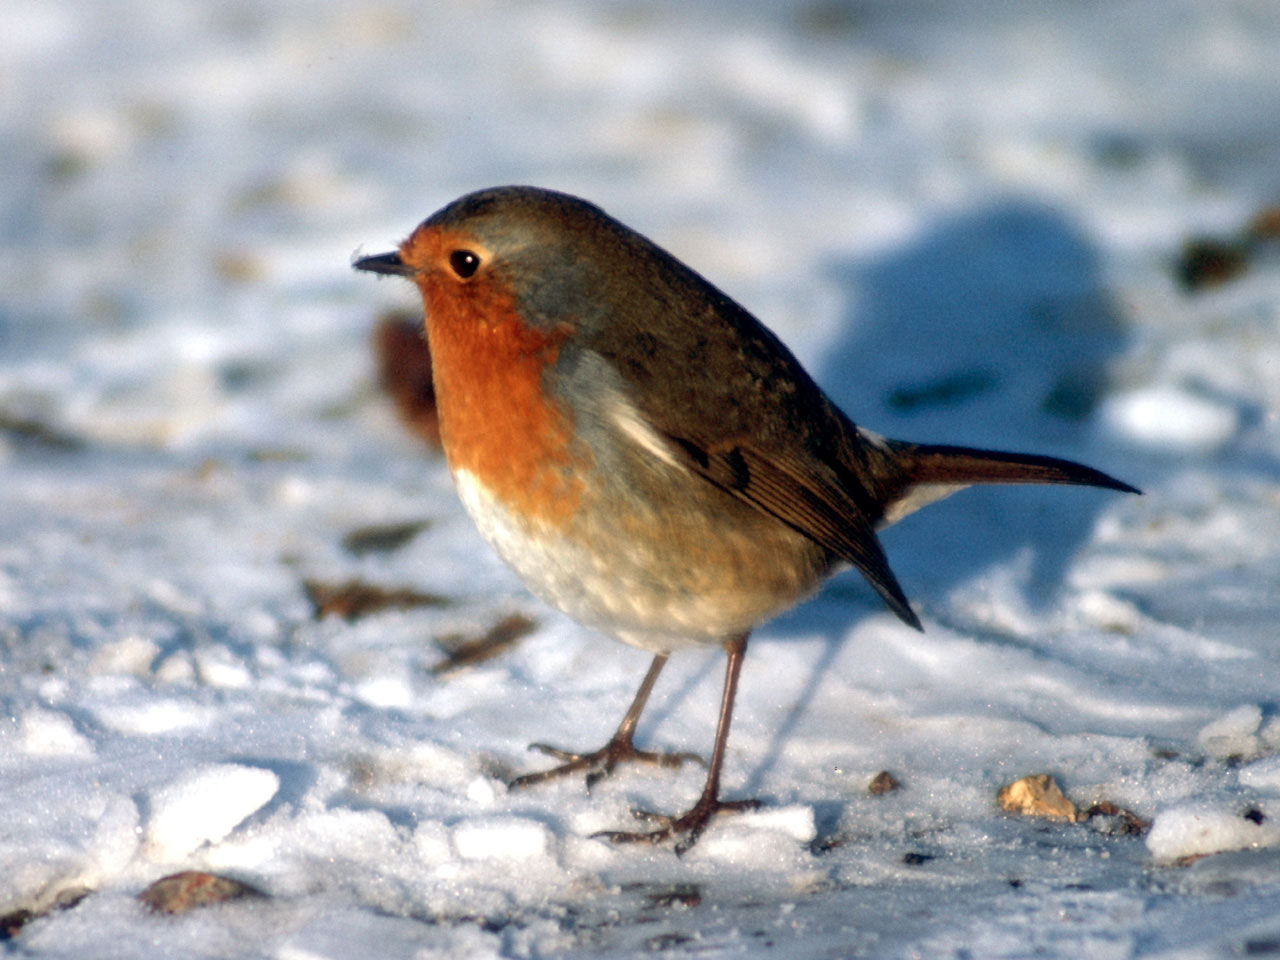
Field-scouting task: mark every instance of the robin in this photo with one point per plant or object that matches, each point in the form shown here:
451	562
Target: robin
646	455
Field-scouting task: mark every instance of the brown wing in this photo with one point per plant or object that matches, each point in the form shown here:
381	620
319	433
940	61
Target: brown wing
805	494
737	408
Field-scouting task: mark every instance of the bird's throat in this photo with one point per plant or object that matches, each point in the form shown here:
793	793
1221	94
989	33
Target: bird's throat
497	421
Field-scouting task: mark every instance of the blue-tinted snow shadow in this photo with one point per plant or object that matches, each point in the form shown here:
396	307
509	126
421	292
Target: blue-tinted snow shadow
992	329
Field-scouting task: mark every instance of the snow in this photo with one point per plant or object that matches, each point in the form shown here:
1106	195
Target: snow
508	838
1233	735
203	806
1172	419
965	218
1196	830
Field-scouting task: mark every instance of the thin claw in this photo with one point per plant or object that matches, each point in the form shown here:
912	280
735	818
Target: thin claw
649	816
618	750
530	779
599	764
672	759
688	826
565	755
622	836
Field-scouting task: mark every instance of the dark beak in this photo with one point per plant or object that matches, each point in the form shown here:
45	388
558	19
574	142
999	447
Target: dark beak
388	263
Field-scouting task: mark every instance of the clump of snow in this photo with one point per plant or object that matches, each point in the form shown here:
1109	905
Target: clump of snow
154	715
794	821
431	843
1171	419
216	666
1261	775
95	841
1233	735
501	838
482	792
131	654
776	837
204	806
50	733
1201	829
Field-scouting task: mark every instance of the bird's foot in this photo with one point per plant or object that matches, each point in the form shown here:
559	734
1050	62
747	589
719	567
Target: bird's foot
687	827
600	763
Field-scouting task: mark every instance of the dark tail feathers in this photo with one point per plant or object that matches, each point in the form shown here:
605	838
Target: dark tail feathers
930	463
918	474
915	475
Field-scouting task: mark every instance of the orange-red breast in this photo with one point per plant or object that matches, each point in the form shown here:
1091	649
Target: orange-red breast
644	453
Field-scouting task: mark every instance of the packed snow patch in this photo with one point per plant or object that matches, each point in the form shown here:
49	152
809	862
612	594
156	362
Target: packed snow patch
1261	775
1233	735
204	806
501	838
50	733
1201	829
1172	419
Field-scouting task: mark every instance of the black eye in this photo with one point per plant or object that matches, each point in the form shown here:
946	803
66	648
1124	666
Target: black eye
464	263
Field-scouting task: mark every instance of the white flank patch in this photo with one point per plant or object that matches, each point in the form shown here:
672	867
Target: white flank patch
921	495
625	416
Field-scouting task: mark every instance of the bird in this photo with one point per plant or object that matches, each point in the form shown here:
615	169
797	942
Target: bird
647	456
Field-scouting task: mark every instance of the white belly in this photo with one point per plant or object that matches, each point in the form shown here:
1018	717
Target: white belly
606	592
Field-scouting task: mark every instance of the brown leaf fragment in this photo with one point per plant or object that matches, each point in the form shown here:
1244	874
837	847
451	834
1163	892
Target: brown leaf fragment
11	923
948	390
404	373
37	431
14	921
355	598
1115	820
1208	262
1265	224
1037	795
277	455
666	941
382	538
834	841
463	652
180	892
679	895
1212	261
238	266
882	783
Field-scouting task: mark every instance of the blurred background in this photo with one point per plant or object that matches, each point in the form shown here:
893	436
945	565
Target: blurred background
903	190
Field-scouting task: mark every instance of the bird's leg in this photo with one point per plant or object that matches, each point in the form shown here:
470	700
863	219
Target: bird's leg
689	826
619	749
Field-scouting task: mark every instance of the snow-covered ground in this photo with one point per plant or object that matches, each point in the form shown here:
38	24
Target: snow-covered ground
965	217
